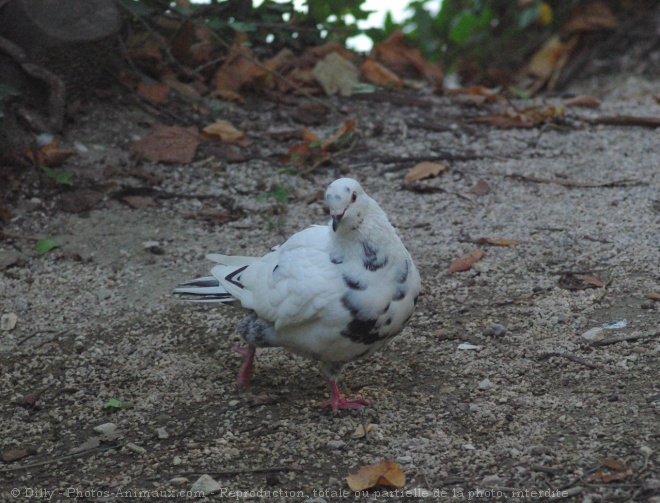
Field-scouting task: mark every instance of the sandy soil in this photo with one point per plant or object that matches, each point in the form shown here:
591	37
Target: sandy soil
532	406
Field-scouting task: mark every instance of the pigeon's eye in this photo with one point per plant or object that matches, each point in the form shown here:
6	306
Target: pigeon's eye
354	197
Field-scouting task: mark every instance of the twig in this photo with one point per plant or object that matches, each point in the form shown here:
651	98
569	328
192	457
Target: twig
628	120
575	184
263	469
53	337
61	458
619	338
570	357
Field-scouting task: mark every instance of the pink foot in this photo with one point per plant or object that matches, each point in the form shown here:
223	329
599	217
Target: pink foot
337	402
245	372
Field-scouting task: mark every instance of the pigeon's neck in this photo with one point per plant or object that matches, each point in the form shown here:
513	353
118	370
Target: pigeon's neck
374	228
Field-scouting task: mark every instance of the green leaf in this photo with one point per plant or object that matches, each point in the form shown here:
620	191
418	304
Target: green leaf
45	245
64	178
243	26
316	144
113	403
467	24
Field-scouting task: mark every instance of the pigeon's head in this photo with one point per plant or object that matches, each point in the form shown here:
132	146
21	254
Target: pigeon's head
347	202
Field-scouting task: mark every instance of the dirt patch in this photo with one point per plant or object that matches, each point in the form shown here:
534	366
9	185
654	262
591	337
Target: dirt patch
532	406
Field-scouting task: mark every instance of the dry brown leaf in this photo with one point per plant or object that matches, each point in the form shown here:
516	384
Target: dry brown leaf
138	202
238	70
155	92
168	144
403	58
466	262
49	155
360	431
425	169
377	74
386	473
527	118
313	150
573	281
614	464
652	296
582	101
228	95
610	477
595	16
550	60
223	130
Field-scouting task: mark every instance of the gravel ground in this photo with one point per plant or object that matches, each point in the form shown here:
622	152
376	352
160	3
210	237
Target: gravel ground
492	393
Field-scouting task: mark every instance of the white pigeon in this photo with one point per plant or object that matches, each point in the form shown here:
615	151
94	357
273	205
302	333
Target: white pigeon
332	293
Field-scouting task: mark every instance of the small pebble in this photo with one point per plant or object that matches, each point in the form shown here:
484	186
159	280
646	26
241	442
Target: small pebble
135	448
485	384
8	321
494	330
162	433
179	481
103	294
594	334
206	485
404	460
336	444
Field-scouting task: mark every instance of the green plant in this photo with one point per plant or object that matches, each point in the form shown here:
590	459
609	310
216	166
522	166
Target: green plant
61	178
43	246
279	194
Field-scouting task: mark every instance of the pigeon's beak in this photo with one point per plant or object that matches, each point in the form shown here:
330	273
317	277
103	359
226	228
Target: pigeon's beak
336	218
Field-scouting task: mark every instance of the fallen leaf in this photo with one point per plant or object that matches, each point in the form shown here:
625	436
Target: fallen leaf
425	169
336	75
404	59
466	262
475	95
168	144
592	16
310	113
376	73
49	155
360	431
481	188
582	101
223	130
614	464
652	296
45	245
497	242
385	473
573	281
313	149
526	118
610	477
155	92
546	65
238	70
138	202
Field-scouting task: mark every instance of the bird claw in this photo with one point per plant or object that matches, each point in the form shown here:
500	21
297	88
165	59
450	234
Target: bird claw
357	404
246	369
336	401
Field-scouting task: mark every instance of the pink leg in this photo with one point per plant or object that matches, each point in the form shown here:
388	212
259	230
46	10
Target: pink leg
337	402
245	372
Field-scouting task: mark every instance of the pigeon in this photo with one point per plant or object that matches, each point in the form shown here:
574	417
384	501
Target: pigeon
333	293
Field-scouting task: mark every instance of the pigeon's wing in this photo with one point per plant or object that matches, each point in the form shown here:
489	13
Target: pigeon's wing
291	285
